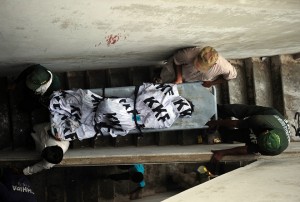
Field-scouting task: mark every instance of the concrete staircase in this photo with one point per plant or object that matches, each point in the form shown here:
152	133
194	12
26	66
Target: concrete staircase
268	81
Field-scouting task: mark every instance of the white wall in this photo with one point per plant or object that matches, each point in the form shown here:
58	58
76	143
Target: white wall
77	35
270	179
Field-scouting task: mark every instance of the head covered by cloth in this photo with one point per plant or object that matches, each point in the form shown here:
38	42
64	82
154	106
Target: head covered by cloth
269	142
207	57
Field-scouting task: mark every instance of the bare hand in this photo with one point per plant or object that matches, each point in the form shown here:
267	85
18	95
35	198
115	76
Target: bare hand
178	81
207	84
57	136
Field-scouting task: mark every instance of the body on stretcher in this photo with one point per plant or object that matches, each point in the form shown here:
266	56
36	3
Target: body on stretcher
204	102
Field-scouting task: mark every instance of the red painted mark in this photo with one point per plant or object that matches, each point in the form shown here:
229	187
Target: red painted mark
112	39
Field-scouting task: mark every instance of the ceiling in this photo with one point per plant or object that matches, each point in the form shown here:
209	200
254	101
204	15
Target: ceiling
91	34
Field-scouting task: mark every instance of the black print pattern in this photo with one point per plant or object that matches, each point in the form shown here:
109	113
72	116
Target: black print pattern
163	87
182	103
158	110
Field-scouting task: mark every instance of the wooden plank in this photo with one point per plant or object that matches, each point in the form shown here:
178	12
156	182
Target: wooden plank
38	182
277	85
237	88
262	82
89	184
97	79
21	124
76	79
122	141
119	77
55	190
72	182
168	138
188	137
146	140
139	75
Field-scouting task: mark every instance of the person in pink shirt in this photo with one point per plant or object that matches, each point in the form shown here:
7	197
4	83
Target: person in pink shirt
197	64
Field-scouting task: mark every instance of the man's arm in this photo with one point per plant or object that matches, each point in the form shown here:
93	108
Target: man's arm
218	154
242	111
38	167
208	84
178	69
223	122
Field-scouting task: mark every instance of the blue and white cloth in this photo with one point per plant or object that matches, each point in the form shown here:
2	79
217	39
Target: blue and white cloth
82	114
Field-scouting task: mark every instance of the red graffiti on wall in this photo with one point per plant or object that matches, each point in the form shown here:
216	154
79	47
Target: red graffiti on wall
112	39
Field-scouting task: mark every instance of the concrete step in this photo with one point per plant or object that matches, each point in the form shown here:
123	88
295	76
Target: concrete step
237	89
262	81
267	81
5	118
74	181
258	83
290	79
123	155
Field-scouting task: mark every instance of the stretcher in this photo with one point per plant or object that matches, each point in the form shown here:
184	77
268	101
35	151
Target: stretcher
204	100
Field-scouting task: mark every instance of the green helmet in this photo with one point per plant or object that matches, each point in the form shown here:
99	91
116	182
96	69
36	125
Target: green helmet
269	142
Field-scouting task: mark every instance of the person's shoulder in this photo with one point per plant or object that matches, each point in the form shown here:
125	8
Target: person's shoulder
56	84
139	168
223	61
188	50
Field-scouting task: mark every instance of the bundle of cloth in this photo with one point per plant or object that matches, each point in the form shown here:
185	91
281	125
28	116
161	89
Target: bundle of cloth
82	114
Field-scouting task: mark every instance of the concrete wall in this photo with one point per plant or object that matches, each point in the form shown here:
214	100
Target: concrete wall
269	179
93	34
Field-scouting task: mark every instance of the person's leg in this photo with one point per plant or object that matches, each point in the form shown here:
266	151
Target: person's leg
230	135
124	167
241	111
120	176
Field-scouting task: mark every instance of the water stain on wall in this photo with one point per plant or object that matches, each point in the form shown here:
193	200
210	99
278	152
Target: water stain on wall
66	23
20	28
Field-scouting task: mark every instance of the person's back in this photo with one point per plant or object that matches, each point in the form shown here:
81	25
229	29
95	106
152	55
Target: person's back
263	130
15	187
197	64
